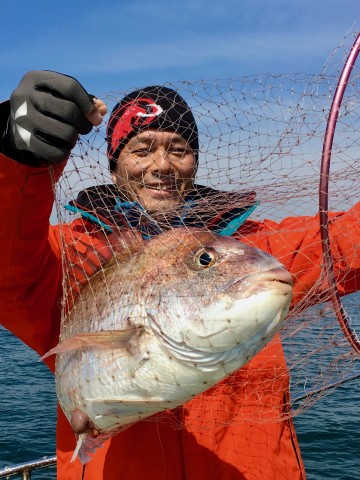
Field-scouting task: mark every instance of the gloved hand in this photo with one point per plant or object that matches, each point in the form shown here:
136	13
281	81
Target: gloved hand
48	112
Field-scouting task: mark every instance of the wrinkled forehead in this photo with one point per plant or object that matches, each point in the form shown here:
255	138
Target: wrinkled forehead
157	136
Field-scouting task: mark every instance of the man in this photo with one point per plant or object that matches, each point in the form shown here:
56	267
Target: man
153	152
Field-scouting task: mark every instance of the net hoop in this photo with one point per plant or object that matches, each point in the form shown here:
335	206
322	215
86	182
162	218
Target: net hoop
340	312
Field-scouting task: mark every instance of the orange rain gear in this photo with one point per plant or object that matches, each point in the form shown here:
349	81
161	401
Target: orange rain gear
202	449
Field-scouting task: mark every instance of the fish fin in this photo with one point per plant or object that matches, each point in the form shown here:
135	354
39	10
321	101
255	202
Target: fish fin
96	340
85	446
126	401
125	411
79	442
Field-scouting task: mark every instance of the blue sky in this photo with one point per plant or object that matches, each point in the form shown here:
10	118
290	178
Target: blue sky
117	45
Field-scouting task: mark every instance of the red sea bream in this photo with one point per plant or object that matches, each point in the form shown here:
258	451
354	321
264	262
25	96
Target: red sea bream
160	324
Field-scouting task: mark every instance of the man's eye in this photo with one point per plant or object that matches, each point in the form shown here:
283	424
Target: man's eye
141	152
178	151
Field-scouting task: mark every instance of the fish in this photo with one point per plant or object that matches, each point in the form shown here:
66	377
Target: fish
161	323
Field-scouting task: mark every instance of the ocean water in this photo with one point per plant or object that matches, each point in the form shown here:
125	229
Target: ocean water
327	432
27	406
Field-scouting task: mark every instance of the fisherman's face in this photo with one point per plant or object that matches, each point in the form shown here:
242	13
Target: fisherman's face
156	169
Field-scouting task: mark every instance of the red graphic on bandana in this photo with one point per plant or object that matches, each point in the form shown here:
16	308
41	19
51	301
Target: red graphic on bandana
139	112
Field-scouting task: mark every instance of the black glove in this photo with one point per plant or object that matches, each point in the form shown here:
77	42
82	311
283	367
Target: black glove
47	114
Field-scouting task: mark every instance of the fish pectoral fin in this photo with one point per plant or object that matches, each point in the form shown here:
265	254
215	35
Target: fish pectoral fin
109	339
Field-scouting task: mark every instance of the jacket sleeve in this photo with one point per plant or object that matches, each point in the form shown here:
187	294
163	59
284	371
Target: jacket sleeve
296	243
30	279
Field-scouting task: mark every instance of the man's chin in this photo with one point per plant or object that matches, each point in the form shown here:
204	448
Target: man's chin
153	204
162	206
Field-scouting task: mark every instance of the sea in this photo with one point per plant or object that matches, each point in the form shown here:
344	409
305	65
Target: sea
328	432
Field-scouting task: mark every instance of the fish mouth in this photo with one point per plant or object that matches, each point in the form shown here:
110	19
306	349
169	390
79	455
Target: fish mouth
276	278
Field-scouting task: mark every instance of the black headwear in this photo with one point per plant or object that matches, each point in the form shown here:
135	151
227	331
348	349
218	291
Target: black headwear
153	107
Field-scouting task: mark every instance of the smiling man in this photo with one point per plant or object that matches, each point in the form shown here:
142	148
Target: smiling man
153	147
153	156
156	169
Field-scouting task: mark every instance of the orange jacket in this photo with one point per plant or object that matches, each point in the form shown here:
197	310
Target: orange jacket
215	441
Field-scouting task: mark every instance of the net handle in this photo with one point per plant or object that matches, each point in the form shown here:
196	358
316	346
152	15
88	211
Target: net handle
341	314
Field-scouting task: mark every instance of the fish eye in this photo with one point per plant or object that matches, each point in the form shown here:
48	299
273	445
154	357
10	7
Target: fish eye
205	258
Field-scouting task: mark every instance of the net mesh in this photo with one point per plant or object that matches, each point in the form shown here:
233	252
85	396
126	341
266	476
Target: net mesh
262	134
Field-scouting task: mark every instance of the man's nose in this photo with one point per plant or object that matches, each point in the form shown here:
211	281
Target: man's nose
160	161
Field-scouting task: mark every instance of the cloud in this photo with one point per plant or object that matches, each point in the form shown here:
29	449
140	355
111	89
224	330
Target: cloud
137	42
289	49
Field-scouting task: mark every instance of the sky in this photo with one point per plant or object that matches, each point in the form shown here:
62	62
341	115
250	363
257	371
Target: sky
118	45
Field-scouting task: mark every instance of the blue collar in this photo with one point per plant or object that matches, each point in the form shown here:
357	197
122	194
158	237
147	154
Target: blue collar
103	205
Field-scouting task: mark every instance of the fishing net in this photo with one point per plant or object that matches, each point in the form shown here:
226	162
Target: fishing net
262	134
